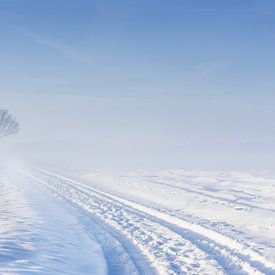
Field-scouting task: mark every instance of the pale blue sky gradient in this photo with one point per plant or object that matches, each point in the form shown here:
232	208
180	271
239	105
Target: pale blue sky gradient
185	84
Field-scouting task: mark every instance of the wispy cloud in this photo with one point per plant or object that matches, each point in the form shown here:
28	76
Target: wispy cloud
66	50
209	69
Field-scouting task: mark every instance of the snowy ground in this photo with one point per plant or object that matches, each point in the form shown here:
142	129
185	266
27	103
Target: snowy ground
39	234
165	222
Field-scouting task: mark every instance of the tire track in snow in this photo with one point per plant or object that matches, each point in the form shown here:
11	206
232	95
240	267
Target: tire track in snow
122	257
167	251
229	253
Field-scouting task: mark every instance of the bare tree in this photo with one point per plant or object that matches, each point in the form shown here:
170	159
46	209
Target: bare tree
8	124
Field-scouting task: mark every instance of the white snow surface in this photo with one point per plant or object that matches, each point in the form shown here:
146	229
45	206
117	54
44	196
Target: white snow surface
158	222
41	235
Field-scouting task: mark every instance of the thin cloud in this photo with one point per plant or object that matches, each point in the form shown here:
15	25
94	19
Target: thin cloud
63	49
211	68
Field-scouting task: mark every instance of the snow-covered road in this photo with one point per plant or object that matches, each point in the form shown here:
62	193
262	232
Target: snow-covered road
101	224
139	238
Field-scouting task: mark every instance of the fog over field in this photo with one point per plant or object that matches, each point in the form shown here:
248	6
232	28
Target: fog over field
194	132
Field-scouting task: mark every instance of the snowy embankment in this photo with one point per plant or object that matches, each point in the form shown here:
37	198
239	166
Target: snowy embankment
176	222
39	234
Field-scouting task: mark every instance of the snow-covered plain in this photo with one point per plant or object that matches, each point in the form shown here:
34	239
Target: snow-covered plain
160	222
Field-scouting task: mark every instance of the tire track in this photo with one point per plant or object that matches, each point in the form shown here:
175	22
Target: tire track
207	245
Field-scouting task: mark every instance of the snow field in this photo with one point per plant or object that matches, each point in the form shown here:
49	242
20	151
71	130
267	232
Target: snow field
172	245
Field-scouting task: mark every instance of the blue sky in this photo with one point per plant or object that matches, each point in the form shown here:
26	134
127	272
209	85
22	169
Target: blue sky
171	78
